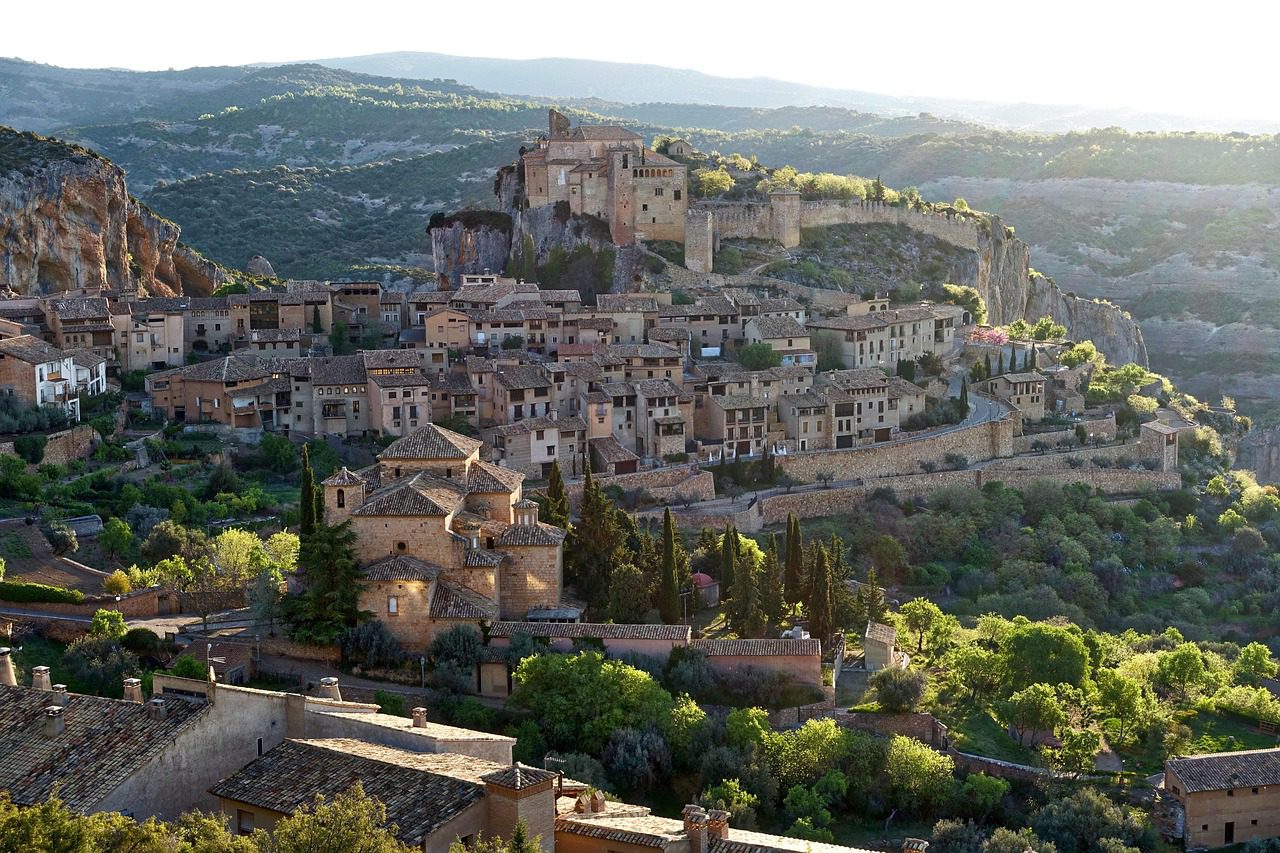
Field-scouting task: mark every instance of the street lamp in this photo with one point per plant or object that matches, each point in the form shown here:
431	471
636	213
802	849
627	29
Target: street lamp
422	662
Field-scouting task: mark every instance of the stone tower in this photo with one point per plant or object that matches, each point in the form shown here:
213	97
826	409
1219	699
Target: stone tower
557	125
622	195
784	207
699	234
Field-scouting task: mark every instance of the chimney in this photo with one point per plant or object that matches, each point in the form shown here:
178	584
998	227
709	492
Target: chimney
156	709
40	678
695	827
718	824
329	688
53	722
133	690
419	718
6	667
60	695
914	845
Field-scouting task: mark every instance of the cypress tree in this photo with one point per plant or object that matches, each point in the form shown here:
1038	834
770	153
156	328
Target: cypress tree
728	558
986	361
964	396
794	575
820	617
668	585
307	496
1000	364
771	598
555	509
874	607
316	326
1033	357
596	543
747	618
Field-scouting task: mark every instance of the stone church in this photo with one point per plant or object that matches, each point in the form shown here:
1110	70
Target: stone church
444	538
606	171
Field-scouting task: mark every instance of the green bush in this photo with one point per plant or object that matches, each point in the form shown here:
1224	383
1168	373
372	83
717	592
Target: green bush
30	447
29	593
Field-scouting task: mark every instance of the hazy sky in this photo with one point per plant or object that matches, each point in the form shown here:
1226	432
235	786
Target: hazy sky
1202	59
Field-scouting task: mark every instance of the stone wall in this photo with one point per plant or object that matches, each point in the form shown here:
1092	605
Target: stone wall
958	230
63	447
920	726
1057	460
1110	480
978	443
668	485
699	237
143	603
1104	427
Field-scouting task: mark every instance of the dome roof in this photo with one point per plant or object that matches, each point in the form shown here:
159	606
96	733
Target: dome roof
702	580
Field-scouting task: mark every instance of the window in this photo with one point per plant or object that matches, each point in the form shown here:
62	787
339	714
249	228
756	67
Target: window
244	822
1231	792
644	207
342	498
259	746
551	450
355	407
657	192
400	546
393	605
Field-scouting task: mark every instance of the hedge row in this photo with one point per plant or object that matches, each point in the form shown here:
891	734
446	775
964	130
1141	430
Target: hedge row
27	593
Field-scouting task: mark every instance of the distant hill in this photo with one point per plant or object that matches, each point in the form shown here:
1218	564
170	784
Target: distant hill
637	83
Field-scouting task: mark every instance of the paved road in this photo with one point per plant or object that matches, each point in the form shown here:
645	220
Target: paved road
29	613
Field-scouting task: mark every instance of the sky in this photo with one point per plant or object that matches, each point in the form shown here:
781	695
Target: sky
1195	59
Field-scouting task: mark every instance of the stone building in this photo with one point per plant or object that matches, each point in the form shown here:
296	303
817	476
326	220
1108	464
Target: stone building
800	659
444	538
879	647
1024	390
1226	797
39	374
607	172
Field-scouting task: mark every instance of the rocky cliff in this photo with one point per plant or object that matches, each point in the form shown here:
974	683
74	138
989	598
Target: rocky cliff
462	245
1001	271
67	222
1259	451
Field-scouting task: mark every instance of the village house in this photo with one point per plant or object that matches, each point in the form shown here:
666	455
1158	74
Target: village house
207	324
82	322
150	333
1024	390
91	372
39	374
739	423
800	659
807	420
873	335
1226	797
532	445
784	336
607	172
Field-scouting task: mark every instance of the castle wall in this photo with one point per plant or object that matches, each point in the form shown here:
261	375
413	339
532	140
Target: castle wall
699	235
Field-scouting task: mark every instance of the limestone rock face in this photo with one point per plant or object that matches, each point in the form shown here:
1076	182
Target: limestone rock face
457	249
1000	270
68	223
1259	451
259	265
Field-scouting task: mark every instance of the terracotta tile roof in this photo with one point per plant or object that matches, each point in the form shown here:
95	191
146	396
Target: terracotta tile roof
400	567
573	422
650	388
86	359
610	451
642	831
84	308
487	478
30	349
337	370
419	801
416	379
643	351
421	494
343	477
519	776
881	633
432	442
454	382
597	630
104	742
740	401
742	841
784	304
758	648
779	327
374	359
531	534
605	132
1217	771
848	380
451	601
482	558
522	376
1022	377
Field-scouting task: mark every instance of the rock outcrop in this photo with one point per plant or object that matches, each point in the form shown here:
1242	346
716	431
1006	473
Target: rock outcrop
67	222
1259	452
460	246
259	265
1000	269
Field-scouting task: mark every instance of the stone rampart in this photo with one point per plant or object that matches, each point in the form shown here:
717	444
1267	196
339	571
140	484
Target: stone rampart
977	443
1111	481
958	230
814	503
1105	428
920	726
667	485
1058	460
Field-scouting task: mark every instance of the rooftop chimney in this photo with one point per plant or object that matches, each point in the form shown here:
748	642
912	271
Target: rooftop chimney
695	827
156	709
60	695
53	722
329	688
40	678
419	718
6	667
133	690
718	824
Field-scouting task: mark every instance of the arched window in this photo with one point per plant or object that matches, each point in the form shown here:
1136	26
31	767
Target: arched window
342	498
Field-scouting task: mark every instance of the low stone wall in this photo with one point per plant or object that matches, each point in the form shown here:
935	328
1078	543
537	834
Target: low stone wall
667	485
789	718
1110	480
920	726
1104	427
280	647
63	447
1057	460
967	763
143	603
977	443
819	502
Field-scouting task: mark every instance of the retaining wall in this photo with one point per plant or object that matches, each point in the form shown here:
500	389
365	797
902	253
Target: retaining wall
63	447
667	485
143	603
1105	427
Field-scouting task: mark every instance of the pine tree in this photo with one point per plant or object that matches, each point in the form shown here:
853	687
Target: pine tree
307	496
771	596
819	609
728	558
555	509
668	584
793	574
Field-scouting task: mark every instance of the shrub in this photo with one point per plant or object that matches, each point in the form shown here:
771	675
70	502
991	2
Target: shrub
371	644
117	583
188	666
108	623
30	447
29	593
142	641
897	689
